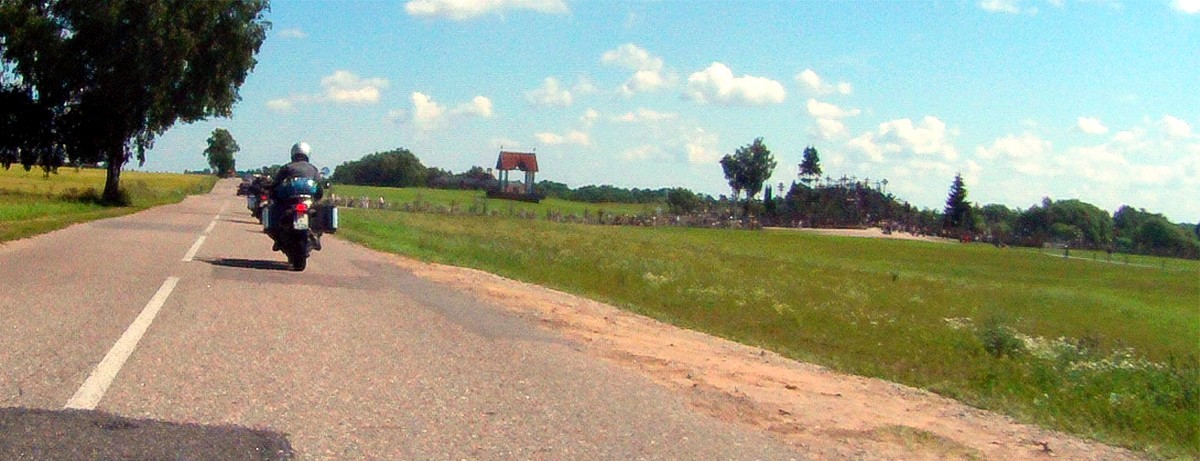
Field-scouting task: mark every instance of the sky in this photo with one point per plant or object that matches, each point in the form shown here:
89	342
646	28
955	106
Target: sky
1096	100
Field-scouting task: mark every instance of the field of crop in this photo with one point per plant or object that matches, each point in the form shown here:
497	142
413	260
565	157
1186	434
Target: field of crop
32	203
1102	350
466	199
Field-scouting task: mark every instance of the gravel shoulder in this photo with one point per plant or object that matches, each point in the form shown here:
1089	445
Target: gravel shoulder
822	412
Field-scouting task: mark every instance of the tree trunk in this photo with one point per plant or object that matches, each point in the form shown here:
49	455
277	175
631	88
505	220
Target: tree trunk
112	182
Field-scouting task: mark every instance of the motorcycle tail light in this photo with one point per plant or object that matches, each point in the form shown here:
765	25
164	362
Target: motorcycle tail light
302	207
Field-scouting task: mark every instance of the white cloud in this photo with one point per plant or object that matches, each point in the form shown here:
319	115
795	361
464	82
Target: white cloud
1129	136
831	129
344	86
479	106
575	137
1091	125
293	32
700	146
1027	145
459	10
1006	6
428	114
1175	128
643	80
814	82
281	105
827	116
645	115
339	87
648	69
717	84
1186	6
867	145
632	57
1027	154
826	110
550	94
584	85
928	137
589	117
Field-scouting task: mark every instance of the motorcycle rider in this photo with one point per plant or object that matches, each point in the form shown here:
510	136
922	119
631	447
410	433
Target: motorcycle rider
298	168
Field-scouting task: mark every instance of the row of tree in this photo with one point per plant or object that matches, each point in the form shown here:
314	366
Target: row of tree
89	82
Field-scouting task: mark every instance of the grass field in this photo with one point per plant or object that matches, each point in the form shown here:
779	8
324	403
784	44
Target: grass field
1103	350
32	203
465	199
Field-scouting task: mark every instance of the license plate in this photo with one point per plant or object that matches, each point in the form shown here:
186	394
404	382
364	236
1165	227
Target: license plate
301	222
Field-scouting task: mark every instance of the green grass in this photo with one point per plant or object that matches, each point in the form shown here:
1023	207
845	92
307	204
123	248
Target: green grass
1102	350
466	199
32	203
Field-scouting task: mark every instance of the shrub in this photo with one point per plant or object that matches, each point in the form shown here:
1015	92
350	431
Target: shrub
999	339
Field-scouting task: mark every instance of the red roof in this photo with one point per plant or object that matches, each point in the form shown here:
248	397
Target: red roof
517	161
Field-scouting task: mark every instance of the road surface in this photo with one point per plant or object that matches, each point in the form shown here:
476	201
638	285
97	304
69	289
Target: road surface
176	333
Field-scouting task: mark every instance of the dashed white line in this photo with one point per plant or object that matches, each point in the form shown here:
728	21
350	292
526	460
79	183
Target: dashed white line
93	389
191	254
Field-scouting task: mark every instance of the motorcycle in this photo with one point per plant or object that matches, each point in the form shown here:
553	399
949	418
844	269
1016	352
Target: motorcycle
296	221
256	192
256	203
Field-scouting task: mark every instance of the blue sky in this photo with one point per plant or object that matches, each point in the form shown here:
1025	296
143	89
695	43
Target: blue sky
1095	100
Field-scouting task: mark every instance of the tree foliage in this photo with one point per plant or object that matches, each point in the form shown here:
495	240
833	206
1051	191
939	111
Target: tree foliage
114	75
810	167
394	168
682	201
1140	231
221	147
957	215
748	168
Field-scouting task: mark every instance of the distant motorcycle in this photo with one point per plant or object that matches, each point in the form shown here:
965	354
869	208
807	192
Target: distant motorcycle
296	221
256	191
256	203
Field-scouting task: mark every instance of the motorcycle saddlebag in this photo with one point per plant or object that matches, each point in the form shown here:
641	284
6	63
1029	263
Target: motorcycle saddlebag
325	217
268	218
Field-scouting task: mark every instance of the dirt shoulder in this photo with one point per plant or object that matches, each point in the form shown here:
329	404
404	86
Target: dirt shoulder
827	414
871	232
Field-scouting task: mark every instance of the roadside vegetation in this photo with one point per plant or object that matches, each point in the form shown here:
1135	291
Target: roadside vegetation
476	201
32	202
1102	350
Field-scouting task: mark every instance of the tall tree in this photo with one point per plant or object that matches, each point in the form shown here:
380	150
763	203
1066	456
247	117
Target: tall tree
810	167
748	168
734	174
221	147
119	73
957	214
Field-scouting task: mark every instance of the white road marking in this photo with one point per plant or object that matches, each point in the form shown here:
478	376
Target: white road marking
211	225
93	389
192	251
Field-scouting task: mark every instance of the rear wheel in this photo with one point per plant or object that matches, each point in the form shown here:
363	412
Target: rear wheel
297	252
298	261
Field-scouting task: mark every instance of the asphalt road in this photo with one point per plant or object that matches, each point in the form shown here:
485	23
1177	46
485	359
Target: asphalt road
176	333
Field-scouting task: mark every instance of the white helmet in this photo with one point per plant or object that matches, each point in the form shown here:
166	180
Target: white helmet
300	151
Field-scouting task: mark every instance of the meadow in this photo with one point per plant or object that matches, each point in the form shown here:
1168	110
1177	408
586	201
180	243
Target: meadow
466	199
32	202
1106	351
